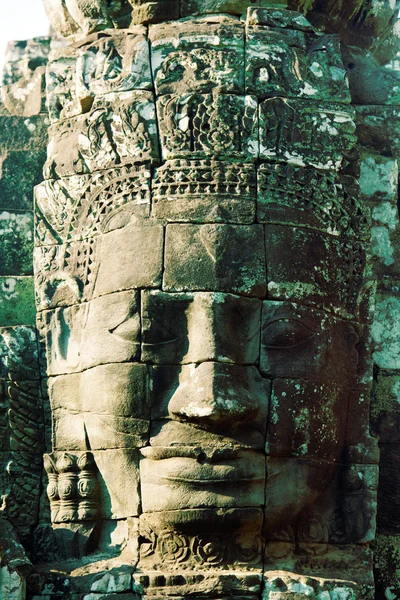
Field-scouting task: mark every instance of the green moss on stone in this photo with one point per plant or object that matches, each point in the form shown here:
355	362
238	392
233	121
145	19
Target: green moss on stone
387	567
19	173
17	301
16	247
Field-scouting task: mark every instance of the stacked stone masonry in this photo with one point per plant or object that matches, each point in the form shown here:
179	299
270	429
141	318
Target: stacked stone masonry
23	141
205	280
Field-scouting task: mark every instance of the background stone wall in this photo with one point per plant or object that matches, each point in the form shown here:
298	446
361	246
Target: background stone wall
23	140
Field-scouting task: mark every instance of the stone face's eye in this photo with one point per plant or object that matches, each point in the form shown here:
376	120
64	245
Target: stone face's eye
286	333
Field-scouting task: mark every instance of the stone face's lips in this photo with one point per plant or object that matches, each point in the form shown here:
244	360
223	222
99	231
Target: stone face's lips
244	467
201	453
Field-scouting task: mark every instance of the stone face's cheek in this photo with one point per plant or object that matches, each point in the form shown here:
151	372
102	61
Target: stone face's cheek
110	403
336	494
307	419
103	330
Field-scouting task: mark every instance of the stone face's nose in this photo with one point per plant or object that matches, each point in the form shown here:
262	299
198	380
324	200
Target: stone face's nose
215	395
197	327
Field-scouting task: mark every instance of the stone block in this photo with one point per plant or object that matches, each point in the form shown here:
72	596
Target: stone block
378	128
125	258
119	389
68	431
225	258
16	250
239	7
301	342
347	562
116	536
171	324
273	15
103	330
119	482
307	419
152	12
130	257
166	432
59	17
283	585
222	584
284	57
315	502
20	171
112	596
23	85
27	135
385	409
388	517
110	582
314	268
19	360
378	184
17	301
122	64
305	133
25	98
206	539
222	126
317	199
385	331
204	191
378	177
113	62
198	56
120	128
12	584
387	560
107	406
84	206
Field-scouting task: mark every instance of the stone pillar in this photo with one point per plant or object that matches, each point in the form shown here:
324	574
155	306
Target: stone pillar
376	92
205	291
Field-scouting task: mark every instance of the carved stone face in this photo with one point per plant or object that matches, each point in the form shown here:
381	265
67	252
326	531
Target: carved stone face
203	301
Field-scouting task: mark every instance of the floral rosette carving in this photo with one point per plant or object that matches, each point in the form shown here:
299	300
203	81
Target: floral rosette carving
248	548
172	547
314	534
208	550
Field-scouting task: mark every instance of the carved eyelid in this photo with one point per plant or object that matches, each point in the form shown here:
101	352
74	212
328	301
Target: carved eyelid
311	330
